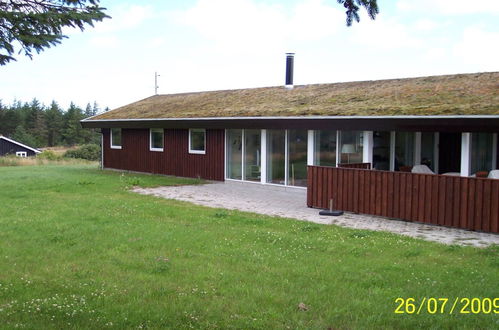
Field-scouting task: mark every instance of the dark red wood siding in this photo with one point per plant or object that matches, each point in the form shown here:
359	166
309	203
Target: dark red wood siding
461	202
174	160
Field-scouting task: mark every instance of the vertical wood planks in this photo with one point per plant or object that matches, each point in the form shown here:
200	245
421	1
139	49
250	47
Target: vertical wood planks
173	160
468	203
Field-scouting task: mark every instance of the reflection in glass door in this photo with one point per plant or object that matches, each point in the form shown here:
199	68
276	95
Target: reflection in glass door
325	148
276	158
428	151
381	151
297	158
404	151
234	154
252	156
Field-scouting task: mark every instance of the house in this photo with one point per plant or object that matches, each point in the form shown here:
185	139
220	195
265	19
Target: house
11	147
277	135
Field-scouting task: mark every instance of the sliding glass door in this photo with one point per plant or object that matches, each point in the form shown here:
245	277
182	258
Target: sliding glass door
276	156
297	158
234	154
252	154
404	151
482	152
351	147
381	151
325	148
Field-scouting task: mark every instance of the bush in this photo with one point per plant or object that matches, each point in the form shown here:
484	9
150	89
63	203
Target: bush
87	151
49	155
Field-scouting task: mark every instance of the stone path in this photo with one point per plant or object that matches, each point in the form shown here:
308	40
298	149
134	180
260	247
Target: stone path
291	203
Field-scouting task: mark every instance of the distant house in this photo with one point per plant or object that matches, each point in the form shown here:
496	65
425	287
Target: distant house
11	147
286	135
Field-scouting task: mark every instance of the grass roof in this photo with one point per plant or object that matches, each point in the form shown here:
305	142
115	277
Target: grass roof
461	94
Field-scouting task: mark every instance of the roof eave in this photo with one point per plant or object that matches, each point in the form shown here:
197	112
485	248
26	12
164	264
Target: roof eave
465	123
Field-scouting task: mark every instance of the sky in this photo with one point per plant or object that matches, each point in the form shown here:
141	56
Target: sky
202	45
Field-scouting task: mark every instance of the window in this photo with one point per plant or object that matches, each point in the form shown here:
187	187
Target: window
21	154
243	154
381	150
234	154
115	138
325	148
482	150
428	150
197	138
276	156
297	157
252	162
287	157
404	151
351	147
156	139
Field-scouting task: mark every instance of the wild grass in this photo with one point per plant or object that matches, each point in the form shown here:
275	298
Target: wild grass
32	161
78	250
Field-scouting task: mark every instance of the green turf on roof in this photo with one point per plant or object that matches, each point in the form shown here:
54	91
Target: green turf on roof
461	94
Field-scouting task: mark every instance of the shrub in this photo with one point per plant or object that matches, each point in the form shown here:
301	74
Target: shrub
49	155
87	151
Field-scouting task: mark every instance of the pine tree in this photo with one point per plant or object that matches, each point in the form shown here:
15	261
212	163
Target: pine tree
35	25
95	109
35	122
352	9
11	119
21	135
72	131
53	120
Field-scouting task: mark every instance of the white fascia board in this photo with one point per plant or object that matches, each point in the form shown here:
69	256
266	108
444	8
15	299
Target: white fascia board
294	117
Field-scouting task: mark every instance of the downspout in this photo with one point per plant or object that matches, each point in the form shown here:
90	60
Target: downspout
101	149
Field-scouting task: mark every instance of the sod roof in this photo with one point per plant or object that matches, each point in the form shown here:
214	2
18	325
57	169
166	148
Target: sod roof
460	94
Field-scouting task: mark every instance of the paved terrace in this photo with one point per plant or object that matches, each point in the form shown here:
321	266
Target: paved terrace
291	203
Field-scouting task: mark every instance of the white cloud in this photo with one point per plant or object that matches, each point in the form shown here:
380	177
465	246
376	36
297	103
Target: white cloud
450	7
479	47
425	25
155	42
314	20
104	41
125	17
386	34
247	24
435	54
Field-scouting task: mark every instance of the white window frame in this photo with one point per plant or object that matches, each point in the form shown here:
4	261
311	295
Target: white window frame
157	130
22	154
111	138
194	151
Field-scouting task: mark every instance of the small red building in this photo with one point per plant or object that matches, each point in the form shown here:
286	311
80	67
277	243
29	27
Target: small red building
424	126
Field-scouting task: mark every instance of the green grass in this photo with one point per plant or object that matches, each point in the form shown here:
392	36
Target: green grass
78	250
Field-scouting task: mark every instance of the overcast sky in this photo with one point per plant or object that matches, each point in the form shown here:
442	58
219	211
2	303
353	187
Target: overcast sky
198	45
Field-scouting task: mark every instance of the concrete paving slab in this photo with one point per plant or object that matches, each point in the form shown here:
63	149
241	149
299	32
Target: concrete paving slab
289	202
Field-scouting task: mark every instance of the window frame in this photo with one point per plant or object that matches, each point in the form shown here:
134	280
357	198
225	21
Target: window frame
157	130
113	146
22	154
195	151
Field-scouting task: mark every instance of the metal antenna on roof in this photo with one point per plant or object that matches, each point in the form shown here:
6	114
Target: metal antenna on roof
156	75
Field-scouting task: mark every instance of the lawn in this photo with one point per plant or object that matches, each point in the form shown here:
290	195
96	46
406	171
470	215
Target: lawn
78	250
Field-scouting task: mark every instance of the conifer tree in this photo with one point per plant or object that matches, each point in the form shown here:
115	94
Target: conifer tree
352	9
53	119
35	25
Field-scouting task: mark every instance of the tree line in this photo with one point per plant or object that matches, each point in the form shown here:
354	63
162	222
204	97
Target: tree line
37	125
